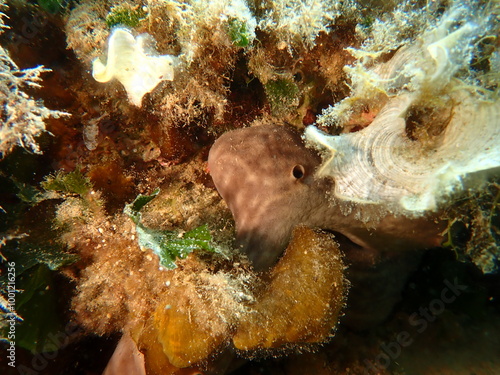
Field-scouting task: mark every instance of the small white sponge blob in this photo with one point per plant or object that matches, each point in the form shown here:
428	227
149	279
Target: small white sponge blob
128	62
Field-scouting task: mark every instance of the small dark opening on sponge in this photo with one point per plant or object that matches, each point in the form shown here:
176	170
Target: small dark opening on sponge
298	171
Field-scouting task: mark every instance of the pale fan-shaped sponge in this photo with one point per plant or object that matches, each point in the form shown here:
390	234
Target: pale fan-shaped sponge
128	62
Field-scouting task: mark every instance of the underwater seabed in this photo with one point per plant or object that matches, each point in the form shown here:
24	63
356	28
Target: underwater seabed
249	187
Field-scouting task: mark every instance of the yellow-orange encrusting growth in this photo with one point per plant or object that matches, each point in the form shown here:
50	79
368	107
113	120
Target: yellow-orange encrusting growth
304	298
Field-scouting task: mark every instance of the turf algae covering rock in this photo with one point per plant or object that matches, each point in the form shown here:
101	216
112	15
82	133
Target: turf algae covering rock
399	81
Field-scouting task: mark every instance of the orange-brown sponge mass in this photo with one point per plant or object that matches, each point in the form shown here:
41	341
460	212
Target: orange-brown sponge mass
303	300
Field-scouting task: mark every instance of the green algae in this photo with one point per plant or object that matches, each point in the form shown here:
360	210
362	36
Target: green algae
35	267
282	94
168	245
239	32
73	182
52	6
125	16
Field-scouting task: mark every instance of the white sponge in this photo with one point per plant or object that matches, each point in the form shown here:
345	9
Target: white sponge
128	62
